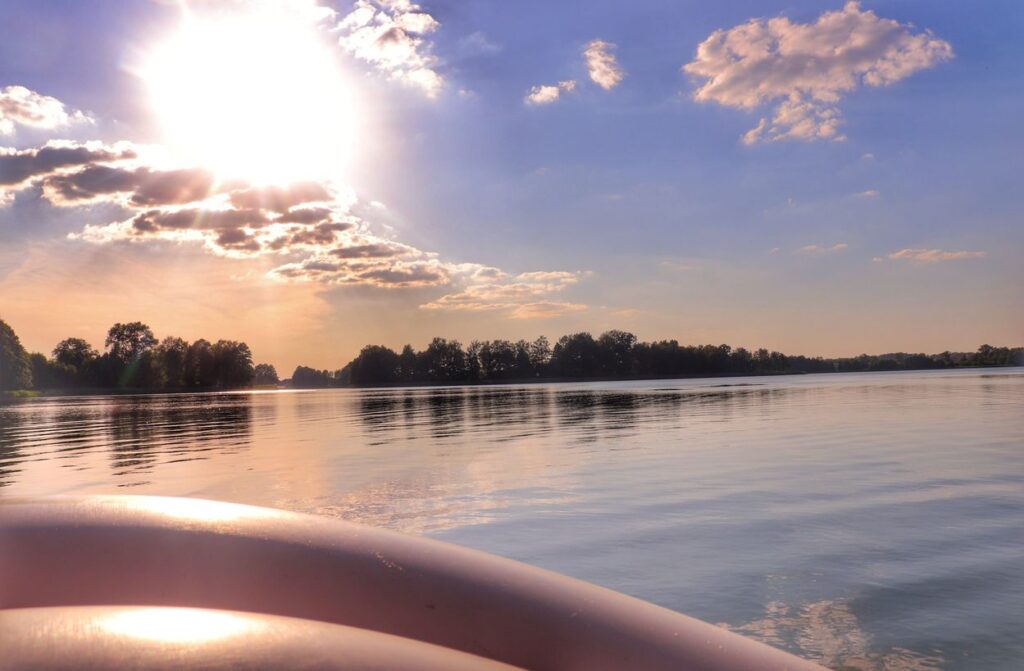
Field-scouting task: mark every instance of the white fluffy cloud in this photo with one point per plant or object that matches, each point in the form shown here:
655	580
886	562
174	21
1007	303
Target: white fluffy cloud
547	94
602	67
20	106
804	69
932	255
391	36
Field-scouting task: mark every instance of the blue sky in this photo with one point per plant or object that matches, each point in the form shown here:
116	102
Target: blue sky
905	235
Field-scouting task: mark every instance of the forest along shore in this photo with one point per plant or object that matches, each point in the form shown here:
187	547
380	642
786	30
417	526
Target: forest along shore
134	360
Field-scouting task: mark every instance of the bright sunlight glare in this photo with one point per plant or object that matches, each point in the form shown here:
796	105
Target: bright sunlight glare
255	95
177	625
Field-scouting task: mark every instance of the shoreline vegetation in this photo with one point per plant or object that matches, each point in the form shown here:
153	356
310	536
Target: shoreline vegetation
135	361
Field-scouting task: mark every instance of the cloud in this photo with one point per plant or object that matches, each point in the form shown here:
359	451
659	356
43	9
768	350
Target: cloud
400	274
18	167
525	296
821	250
282	198
869	193
20	106
932	255
547	94
23	168
389	34
478	44
601	64
804	69
318	229
145	186
545	310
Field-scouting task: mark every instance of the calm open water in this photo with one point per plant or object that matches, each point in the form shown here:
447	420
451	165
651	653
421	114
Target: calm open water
868	521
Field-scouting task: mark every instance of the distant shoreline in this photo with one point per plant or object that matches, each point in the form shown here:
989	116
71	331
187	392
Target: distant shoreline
57	393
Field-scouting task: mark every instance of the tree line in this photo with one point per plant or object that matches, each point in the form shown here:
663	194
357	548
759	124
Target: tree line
133	358
612	355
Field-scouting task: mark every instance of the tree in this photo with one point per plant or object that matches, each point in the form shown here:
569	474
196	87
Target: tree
74	352
407	364
233	364
144	372
200	368
473	369
575	355
523	367
443	361
540	355
127	342
375	364
310	378
47	374
172	357
497	360
264	373
616	352
14	366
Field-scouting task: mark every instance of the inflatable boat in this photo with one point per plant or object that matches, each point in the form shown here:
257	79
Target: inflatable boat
126	582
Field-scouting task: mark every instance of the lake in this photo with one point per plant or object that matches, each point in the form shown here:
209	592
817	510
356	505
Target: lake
868	521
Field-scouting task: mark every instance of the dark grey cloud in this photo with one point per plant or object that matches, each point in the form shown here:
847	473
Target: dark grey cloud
373	250
22	165
153	221
147	187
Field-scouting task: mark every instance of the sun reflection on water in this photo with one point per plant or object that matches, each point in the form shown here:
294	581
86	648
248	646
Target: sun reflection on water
829	633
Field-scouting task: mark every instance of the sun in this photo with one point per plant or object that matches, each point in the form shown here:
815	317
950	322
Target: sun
253	94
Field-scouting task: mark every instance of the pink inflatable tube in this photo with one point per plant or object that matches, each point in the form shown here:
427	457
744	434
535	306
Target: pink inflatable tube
451	607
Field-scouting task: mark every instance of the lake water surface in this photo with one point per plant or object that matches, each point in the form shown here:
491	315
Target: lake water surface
868	521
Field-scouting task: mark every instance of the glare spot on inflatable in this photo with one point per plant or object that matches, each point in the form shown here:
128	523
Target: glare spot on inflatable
199	510
177	625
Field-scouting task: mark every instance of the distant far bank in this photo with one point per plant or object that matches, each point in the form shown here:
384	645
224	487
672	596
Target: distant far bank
614	355
286	385
135	361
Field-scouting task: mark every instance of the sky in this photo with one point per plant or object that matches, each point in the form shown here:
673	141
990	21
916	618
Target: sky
309	177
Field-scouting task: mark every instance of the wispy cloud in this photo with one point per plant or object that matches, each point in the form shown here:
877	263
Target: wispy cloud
932	255
391	35
602	66
478	44
525	296
805	69
821	250
545	94
20	106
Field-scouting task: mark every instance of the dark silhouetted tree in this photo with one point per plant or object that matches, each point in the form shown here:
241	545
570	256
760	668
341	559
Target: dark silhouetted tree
443	361
200	365
233	364
127	342
310	378
407	364
497	360
50	374
616	352
172	357
375	364
74	352
575	355
264	373
15	372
